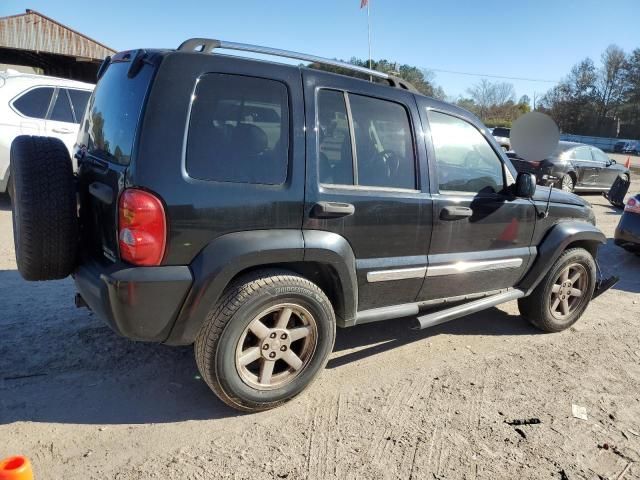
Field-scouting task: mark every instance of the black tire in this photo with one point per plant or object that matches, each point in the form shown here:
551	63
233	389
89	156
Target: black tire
44	208
537	307
216	347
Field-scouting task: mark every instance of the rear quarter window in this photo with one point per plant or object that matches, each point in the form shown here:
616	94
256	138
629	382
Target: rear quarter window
113	113
239	130
34	103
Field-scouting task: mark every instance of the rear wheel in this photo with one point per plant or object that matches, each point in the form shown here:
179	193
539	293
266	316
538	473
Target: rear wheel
266	340
564	294
43	198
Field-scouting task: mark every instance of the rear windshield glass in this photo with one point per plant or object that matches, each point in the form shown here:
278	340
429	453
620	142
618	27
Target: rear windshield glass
114	111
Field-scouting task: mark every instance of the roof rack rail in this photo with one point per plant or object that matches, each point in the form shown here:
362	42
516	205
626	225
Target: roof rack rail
207	45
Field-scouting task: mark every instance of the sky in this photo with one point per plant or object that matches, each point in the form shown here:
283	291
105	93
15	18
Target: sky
538	40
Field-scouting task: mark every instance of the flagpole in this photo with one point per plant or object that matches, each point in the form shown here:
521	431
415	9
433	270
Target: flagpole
369	34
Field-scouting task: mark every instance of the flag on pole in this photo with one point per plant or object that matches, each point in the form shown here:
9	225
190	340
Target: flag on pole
364	3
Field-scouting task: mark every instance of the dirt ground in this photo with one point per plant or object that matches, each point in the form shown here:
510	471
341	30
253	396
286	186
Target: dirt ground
83	403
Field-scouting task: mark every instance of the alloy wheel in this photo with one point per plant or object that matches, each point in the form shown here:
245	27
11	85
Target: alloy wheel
276	346
567	183
568	291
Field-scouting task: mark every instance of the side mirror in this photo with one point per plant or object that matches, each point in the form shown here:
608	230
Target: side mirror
525	185
612	161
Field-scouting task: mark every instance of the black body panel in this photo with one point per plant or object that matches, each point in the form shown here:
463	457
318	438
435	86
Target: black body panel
140	303
199	211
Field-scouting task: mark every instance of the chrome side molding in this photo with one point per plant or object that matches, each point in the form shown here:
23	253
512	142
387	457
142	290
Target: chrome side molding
442	270
396	274
470	267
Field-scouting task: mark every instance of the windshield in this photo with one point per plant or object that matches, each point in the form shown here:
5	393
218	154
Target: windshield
110	122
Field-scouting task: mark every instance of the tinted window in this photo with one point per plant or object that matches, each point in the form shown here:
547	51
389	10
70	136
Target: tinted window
239	130
581	153
599	155
79	99
62	108
501	132
114	111
465	161
384	144
335	158
34	103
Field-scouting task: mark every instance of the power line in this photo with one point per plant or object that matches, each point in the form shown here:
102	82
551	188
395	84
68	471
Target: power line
491	76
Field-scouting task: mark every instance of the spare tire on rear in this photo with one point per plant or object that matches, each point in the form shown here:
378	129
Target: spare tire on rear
43	197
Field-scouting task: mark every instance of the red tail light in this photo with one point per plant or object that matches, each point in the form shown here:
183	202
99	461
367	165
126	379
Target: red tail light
142	228
633	205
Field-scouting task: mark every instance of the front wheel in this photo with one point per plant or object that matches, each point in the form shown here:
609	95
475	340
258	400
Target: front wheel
567	183
563	294
266	340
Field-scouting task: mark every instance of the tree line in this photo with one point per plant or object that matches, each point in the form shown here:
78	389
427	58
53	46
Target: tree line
601	100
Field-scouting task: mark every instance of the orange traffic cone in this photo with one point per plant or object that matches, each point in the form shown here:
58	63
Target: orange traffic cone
16	468
628	163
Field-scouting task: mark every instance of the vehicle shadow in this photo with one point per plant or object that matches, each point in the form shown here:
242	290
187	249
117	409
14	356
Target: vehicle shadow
615	260
61	364
379	337
5	202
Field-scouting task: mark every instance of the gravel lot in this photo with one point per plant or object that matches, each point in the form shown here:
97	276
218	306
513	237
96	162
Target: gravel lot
83	403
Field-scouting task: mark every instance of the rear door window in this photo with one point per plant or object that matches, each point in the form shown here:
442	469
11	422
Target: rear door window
62	111
35	102
336	156
465	161
377	131
239	130
582	153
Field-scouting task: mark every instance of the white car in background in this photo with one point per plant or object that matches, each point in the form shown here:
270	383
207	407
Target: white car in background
38	105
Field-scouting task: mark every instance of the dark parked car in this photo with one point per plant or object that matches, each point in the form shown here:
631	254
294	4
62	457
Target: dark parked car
618	147
503	137
628	230
573	166
252	207
632	148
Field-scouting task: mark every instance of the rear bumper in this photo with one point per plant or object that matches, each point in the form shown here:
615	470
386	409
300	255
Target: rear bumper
140	303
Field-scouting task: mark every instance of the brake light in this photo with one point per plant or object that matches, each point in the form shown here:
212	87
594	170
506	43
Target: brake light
142	228
633	205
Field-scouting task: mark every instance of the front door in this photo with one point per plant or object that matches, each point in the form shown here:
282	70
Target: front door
481	232
61	122
585	167
364	182
604	174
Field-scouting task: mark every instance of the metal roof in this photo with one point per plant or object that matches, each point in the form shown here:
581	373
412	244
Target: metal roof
39	33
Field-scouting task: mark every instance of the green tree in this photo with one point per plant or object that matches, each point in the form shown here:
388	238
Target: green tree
421	79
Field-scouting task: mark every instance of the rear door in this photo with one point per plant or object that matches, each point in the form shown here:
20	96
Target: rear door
363	182
481	233
604	175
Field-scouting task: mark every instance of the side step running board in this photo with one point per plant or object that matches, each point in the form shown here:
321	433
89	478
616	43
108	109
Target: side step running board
442	316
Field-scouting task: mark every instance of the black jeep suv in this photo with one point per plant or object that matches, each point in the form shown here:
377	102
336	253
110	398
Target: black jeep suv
251	207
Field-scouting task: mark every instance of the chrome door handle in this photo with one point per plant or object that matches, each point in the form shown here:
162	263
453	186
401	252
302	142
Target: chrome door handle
62	130
332	210
455	213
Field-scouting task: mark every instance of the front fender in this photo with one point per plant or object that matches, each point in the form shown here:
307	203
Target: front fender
556	241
